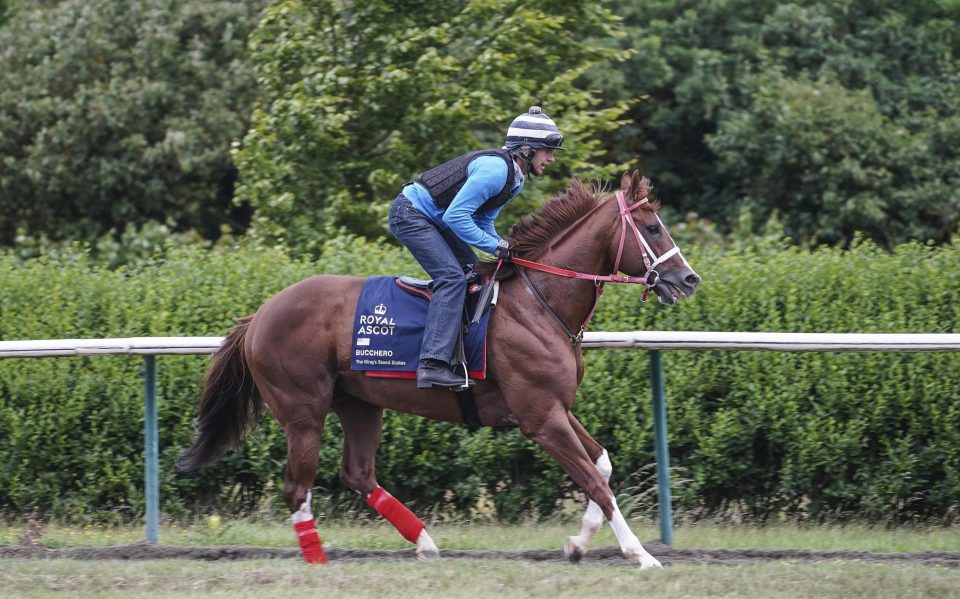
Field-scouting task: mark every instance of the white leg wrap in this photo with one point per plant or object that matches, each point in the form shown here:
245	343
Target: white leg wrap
589	525
304	513
593	518
629	543
604	467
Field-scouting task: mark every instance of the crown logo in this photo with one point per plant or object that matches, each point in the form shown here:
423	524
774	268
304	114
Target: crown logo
380	310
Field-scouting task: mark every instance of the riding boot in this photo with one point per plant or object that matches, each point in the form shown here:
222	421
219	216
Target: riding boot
434	373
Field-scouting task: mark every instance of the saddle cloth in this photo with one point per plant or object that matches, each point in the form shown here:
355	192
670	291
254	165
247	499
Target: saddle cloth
388	331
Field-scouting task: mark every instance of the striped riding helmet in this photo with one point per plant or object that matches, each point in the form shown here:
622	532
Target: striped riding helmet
533	129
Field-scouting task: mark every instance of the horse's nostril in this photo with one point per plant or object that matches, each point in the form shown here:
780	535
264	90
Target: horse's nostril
693	280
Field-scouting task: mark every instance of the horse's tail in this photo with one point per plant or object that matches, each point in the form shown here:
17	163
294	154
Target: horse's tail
229	404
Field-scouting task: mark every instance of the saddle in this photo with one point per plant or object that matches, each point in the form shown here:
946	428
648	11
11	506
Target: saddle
389	321
479	295
388	331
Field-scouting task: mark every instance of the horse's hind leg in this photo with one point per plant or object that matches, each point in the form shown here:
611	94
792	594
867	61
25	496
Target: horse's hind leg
554	433
301	410
576	547
303	446
362	423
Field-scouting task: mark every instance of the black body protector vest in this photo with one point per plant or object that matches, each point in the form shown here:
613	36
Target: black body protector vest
444	181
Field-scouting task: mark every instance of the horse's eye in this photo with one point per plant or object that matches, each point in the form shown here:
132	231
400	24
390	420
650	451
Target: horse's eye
653	229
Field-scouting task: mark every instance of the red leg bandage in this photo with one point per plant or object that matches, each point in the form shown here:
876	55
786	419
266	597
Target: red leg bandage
310	542
406	523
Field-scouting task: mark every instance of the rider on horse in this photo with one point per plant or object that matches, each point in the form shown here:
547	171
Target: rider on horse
451	208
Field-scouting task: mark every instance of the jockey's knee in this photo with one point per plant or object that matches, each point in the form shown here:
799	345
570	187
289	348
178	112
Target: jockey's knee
453	281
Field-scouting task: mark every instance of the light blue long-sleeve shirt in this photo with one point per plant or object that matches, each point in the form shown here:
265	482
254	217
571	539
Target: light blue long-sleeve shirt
486	176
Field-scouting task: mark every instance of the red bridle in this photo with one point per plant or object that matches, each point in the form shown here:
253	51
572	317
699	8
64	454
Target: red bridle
650	261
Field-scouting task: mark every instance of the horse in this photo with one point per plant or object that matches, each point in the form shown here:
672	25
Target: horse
293	356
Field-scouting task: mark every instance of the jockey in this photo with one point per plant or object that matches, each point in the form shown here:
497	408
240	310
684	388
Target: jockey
451	209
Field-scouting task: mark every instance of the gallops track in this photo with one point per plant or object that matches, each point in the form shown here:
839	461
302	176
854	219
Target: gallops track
610	556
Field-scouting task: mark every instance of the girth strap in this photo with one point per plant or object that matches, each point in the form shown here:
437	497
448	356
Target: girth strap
468	409
574	338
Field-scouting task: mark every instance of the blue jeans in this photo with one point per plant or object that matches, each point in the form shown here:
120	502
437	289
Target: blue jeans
445	257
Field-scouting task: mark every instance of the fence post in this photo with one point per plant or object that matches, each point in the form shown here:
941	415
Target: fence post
661	448
151	449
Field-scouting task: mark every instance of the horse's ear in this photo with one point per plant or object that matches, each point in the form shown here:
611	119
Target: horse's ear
636	185
625	182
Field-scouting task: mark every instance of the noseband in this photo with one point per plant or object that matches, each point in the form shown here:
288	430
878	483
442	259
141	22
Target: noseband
648	280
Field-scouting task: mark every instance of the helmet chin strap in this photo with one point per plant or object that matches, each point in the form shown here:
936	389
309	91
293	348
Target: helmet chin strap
528	158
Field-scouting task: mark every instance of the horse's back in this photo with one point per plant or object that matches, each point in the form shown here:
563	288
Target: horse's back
311	317
320	293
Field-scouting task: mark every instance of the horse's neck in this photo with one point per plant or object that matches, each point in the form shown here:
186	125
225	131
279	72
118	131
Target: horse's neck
585	251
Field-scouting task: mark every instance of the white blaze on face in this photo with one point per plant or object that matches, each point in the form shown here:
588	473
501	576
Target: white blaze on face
679	253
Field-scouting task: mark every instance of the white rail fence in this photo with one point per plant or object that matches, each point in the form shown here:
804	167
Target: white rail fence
893	342
149	347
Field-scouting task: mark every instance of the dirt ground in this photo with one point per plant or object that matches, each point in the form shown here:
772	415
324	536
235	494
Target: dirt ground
601	555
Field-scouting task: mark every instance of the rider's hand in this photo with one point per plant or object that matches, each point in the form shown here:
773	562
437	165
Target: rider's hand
503	251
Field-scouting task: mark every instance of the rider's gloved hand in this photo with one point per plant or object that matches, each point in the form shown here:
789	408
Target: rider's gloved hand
503	251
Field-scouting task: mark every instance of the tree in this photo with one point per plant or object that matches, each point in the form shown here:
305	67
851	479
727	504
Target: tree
118	112
360	97
818	154
722	123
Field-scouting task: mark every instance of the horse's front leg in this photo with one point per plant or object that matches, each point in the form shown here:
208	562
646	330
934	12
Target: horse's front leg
556	435
629	543
576	546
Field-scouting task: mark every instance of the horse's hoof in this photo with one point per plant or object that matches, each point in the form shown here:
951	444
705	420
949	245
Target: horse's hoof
573	552
428	555
649	561
426	549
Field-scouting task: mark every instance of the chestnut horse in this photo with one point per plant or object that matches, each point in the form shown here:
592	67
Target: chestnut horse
294	355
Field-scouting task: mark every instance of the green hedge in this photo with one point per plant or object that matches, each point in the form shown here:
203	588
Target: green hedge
811	435
814	435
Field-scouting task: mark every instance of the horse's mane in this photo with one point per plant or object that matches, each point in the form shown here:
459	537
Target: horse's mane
531	235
